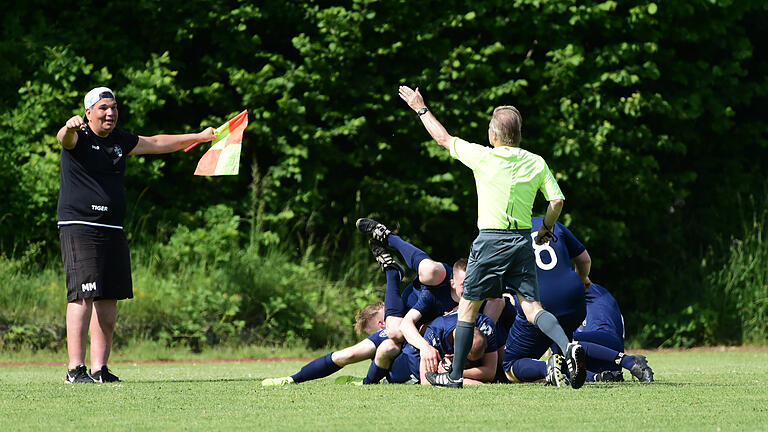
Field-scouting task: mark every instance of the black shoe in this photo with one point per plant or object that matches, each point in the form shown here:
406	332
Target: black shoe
610	376
641	370
443	380
78	375
375	229
384	258
576	360
103	375
555	376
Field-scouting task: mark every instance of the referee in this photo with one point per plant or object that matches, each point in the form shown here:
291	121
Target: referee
507	178
91	210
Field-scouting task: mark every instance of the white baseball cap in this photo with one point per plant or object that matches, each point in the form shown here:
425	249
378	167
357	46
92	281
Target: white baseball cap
96	95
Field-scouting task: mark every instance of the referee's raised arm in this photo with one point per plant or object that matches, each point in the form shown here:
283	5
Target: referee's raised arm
414	100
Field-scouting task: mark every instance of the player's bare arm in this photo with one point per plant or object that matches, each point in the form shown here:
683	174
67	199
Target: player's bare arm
430	357
583	264
67	135
484	372
553	212
414	100
158	144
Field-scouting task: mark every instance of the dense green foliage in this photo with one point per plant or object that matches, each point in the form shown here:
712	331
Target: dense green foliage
650	114
694	391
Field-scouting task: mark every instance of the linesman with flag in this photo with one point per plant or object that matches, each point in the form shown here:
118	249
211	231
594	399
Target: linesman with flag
91	211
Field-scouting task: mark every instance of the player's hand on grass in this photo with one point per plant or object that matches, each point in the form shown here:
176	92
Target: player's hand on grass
412	97
431	358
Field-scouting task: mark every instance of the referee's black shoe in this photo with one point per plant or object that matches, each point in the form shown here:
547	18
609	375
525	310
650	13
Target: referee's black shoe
78	375
576	360
103	375
443	380
375	229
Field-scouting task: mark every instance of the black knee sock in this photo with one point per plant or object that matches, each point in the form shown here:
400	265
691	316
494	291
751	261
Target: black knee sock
462	343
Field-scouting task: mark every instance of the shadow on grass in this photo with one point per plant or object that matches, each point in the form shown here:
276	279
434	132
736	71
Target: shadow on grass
192	380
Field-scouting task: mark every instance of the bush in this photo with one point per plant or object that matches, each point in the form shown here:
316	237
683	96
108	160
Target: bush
742	280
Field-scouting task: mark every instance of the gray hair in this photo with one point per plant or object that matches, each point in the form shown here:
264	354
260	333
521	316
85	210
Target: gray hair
507	123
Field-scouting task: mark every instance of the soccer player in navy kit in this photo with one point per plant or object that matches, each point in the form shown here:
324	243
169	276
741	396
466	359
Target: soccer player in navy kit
440	336
562	293
91	211
436	289
602	336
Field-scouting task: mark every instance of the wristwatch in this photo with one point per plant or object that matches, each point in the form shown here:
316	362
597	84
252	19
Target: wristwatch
422	111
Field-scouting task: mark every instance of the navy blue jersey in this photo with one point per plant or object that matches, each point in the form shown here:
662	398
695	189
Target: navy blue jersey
432	301
438	331
603	314
406	365
560	289
378	337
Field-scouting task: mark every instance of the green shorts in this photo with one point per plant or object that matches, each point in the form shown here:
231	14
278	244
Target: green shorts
501	260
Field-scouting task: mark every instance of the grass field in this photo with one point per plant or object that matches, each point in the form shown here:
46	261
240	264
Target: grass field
693	391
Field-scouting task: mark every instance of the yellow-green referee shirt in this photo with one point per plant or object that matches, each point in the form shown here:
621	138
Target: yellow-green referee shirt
507	179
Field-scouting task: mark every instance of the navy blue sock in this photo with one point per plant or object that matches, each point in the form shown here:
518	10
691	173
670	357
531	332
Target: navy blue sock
627	361
375	374
410	253
393	302
599	352
318	368
547	323
591	376
465	331
529	370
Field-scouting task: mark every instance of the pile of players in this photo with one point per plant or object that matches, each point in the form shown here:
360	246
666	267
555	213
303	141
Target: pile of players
412	332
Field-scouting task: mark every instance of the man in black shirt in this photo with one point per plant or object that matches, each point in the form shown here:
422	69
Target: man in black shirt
91	212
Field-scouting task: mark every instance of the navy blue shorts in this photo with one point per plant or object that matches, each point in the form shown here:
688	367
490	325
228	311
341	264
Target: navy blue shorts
97	263
404	369
525	340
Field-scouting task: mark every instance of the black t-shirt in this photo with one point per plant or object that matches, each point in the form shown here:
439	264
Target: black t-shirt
92	184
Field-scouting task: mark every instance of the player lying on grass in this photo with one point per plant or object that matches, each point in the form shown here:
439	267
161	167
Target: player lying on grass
561	289
409	367
602	336
436	290
370	320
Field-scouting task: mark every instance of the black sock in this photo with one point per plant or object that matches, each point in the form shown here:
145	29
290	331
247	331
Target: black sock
462	343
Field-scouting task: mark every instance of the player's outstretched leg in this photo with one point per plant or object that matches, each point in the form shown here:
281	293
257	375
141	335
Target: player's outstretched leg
576	360
374	229
641	370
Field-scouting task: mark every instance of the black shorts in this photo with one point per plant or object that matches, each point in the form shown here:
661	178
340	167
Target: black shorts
501	260
97	262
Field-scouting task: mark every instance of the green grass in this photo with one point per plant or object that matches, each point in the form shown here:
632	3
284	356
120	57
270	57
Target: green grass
693	391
